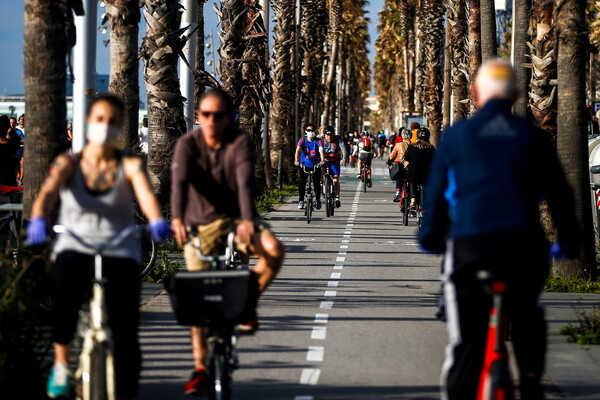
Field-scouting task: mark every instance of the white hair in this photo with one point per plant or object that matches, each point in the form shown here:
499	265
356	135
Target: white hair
495	80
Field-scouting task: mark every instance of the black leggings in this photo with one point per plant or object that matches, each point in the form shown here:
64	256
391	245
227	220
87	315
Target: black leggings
72	274
316	183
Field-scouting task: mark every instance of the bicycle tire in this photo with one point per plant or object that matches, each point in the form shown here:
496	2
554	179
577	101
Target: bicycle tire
406	202
149	251
327	196
364	181
219	388
309	210
98	373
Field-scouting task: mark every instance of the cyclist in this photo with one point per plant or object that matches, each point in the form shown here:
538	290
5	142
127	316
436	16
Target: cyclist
417	159
212	188
335	153
309	153
365	150
397	156
96	189
488	177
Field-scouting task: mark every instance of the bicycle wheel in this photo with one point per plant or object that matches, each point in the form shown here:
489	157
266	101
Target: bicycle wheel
406	204
327	196
149	251
218	370
99	370
364	181
309	210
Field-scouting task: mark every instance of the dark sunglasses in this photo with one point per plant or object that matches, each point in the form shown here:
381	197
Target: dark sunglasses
216	115
310	130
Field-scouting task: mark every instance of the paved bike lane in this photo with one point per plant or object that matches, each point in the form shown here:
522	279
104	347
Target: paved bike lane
350	316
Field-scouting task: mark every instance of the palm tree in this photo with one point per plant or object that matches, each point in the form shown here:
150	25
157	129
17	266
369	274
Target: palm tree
407	15
199	61
255	83
475	33
124	18
46	44
571	137
433	82
542	91
457	18
333	49
160	50
520	38
283	80
232	20
489	46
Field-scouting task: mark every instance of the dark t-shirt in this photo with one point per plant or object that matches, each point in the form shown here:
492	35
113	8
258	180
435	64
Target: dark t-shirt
419	162
209	184
8	150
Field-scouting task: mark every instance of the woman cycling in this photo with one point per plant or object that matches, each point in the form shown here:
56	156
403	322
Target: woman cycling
417	159
397	156
96	189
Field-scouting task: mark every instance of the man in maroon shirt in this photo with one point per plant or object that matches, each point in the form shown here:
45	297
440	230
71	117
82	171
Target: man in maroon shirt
213	187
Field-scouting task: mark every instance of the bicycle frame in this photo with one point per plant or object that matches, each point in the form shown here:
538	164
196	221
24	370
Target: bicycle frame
309	194
98	334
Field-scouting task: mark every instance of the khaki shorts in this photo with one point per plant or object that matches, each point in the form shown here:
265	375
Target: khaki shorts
209	236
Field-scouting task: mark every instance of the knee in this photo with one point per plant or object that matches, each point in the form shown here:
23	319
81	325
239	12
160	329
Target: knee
272	248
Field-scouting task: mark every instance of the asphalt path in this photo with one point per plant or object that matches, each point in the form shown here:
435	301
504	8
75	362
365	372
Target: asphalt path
350	316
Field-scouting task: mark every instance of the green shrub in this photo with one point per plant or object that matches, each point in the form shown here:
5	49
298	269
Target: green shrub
557	284
587	331
163	267
272	197
24	329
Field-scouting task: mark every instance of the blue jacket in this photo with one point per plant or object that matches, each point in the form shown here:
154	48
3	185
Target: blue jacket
489	175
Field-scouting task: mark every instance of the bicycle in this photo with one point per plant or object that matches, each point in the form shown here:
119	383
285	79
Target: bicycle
364	174
495	381
96	361
329	190
219	299
11	208
405	201
309	196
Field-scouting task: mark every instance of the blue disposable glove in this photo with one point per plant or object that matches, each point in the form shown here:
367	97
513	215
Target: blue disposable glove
160	230
37	231
558	253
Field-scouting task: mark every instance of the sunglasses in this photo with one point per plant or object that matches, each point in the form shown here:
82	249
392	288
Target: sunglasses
216	115
310	130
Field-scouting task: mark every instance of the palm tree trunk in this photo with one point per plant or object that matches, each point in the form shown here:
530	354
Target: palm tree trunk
433	82
199	88
282	109
44	59
124	19
160	49
489	46
572	124
457	18
475	33
232	17
447	99
520	38
255	84
335	20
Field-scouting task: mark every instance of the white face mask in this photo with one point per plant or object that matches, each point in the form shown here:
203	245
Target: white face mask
310	135
101	134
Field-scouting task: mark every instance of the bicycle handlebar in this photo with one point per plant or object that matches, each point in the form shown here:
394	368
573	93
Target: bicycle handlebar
117	240
195	241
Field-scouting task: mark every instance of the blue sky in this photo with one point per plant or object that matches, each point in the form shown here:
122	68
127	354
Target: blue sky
11	42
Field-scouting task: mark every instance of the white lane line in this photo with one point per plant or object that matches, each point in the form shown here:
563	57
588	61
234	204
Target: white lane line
321	318
350	225
310	376
304	397
347	232
344	246
333	284
336	275
330	293
343	253
340	259
345	241
346	236
315	353
326	305
338	266
319	333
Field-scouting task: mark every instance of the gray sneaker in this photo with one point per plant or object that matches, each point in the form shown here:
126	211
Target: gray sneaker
300	205
318	204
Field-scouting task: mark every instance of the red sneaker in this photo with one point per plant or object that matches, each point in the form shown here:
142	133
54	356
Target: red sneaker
249	327
197	383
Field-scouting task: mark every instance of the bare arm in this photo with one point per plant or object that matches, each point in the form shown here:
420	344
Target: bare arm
136	175
297	156
60	172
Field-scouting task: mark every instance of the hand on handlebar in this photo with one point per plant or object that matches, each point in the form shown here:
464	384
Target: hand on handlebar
179	231
37	229
160	230
297	163
245	231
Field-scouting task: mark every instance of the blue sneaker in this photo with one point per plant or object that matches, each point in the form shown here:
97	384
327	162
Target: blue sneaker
60	382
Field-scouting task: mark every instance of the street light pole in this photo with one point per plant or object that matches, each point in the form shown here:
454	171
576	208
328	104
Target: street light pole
186	77
84	69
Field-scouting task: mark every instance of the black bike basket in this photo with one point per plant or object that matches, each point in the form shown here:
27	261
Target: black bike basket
213	298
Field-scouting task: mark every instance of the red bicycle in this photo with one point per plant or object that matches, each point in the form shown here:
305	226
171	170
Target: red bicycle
495	382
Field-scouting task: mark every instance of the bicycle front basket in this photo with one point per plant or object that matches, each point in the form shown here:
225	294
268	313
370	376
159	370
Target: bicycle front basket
213	298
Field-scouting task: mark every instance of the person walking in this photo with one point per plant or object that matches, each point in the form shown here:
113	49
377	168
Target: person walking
482	209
